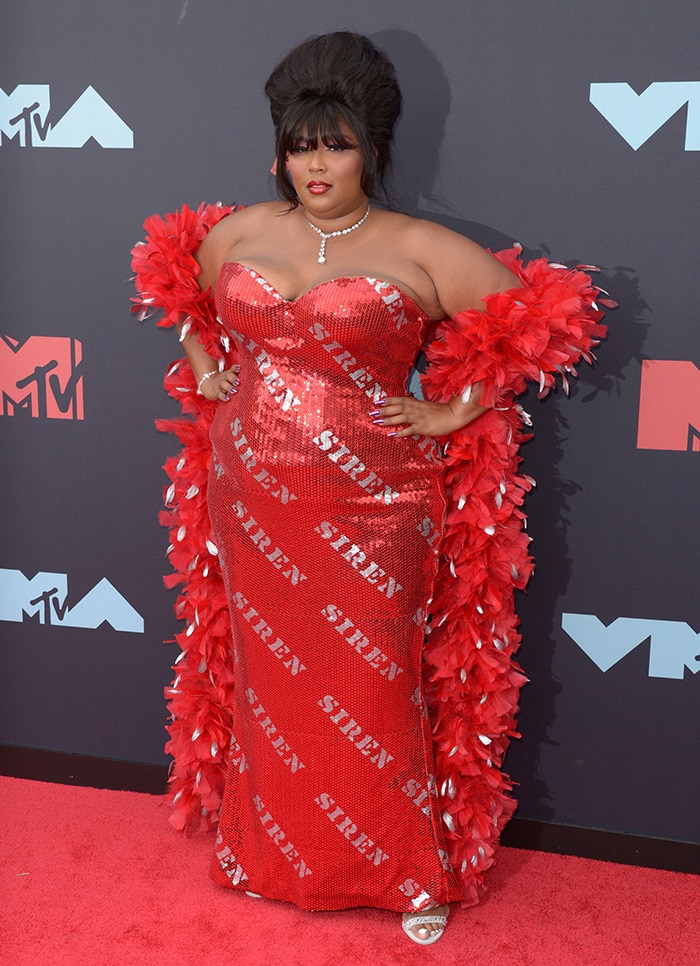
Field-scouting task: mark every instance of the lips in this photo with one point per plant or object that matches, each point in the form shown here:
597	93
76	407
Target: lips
317	187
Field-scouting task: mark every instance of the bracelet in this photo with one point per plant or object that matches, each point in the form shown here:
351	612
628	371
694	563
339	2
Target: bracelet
204	379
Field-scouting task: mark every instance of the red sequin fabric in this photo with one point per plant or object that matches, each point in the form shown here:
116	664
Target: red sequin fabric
328	533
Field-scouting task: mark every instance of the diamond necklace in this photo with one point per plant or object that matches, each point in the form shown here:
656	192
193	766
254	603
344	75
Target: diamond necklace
334	234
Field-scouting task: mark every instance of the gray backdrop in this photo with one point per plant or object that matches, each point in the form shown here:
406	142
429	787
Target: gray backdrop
499	139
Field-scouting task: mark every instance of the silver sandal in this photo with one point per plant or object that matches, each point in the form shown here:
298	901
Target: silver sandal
407	924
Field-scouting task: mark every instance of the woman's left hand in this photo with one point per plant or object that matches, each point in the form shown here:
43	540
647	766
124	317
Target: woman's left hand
406	415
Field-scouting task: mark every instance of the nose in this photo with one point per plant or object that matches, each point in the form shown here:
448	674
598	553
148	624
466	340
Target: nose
317	161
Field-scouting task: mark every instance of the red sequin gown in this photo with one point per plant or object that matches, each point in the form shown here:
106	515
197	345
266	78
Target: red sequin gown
328	532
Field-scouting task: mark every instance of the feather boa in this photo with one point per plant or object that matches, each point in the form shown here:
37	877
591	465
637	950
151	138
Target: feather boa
472	680
166	274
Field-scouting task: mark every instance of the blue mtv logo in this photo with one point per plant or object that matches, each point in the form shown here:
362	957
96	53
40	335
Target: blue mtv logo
673	645
45	598
24	116
637	116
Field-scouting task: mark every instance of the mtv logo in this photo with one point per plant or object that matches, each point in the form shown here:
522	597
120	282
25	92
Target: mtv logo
674	645
669	406
24	115
41	377
45	598
637	116
13	107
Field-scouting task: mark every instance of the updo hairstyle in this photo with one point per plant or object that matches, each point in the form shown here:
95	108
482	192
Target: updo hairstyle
327	80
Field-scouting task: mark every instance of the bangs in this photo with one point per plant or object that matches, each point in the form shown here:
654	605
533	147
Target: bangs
313	120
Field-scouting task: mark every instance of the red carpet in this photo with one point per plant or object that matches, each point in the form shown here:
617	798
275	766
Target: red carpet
98	877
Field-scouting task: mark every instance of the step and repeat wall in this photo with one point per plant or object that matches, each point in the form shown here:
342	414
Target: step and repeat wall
574	130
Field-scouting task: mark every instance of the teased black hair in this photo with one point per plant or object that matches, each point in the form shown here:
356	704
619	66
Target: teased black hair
334	78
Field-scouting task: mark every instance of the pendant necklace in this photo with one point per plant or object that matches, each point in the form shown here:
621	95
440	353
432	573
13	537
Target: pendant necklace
334	234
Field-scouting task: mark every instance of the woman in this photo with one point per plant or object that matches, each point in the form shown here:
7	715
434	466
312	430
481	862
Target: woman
337	525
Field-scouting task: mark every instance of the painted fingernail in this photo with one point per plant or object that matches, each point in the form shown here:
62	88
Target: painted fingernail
236	382
375	412
378	422
392	434
380	402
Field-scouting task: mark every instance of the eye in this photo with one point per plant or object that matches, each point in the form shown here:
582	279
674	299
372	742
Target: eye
340	146
301	147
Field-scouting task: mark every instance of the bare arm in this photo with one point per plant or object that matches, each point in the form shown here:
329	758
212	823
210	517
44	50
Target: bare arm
462	273
212	383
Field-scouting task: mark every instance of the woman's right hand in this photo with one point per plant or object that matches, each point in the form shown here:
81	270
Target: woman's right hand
220	386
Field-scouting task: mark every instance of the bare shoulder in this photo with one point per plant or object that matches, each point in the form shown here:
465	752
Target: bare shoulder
440	245
228	233
430	233
462	271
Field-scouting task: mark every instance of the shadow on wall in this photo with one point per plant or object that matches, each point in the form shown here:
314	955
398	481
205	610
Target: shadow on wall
549	516
419	135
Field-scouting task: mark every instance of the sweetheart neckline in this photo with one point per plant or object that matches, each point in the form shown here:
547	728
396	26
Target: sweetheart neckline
329	281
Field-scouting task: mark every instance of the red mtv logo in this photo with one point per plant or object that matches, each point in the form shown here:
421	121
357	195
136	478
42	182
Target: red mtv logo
669	406
41	377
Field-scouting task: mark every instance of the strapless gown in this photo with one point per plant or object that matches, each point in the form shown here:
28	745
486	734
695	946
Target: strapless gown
327	530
